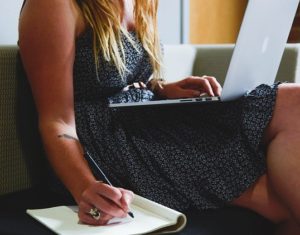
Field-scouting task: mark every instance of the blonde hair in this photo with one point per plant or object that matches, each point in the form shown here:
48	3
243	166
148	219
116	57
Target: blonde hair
104	17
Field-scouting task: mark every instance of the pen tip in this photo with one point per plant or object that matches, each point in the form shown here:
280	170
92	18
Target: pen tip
130	214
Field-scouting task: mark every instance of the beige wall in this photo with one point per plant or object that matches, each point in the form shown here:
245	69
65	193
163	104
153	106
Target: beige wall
215	21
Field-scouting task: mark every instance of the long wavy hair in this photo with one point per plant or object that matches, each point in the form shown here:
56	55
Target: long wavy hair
105	16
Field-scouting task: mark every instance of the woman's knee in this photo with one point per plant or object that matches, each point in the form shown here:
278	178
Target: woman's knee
261	198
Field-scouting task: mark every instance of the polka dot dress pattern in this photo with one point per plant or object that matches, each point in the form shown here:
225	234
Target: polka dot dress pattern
200	156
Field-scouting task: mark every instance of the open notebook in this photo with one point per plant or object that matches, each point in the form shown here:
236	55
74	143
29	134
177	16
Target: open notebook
149	217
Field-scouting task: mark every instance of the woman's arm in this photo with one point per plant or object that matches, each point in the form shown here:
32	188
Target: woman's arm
47	34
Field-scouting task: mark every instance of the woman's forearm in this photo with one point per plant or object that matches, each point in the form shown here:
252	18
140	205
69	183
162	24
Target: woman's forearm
66	157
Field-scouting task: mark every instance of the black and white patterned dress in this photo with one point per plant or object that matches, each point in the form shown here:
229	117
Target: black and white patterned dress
200	156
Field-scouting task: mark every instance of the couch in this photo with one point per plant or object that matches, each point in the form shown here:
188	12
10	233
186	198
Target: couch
23	167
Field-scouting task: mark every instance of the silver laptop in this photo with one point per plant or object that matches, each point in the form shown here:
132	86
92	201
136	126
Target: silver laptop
257	53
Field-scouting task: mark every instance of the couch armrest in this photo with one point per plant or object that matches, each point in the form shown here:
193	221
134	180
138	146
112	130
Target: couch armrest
289	69
13	172
22	162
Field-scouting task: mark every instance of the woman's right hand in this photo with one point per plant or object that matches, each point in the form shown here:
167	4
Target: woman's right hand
110	201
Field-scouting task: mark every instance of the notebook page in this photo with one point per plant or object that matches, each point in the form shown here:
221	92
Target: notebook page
64	220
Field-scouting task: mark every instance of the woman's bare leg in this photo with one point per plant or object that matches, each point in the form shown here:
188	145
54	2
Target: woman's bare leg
261	198
283	156
283	161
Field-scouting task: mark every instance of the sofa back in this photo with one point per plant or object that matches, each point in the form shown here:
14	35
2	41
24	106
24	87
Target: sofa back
185	60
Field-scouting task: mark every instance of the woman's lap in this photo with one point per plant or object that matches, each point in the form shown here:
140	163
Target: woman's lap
213	151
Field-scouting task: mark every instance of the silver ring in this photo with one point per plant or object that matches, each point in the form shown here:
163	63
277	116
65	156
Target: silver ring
95	213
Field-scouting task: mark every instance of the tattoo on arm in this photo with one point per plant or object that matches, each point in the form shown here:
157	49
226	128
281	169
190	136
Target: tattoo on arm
69	137
66	136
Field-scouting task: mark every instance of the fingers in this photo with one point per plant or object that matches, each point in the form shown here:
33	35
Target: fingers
85	216
216	87
110	201
111	193
106	205
127	197
107	198
188	93
205	84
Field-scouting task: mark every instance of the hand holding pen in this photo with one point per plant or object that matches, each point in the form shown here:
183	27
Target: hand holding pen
112	201
100	203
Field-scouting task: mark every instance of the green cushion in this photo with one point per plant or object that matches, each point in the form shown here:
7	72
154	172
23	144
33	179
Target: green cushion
22	161
13	172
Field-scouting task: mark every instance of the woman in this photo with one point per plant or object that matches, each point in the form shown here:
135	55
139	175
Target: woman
80	55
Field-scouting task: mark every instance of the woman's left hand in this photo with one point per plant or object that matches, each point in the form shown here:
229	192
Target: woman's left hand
190	87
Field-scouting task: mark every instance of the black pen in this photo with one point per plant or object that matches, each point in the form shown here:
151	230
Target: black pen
92	161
